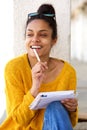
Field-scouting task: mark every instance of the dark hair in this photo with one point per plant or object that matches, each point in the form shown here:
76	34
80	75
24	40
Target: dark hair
43	13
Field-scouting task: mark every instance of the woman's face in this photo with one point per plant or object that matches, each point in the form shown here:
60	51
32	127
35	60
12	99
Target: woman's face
39	33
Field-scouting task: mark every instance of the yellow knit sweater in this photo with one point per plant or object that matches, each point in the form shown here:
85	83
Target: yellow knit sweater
18	98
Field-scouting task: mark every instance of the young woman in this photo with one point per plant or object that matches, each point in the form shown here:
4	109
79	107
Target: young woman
25	77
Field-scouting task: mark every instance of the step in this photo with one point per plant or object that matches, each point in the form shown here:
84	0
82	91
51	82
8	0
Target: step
82	117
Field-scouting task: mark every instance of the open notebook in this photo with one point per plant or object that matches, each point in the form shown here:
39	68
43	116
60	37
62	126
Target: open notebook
44	98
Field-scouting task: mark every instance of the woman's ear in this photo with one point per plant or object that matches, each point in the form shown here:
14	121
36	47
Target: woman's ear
54	41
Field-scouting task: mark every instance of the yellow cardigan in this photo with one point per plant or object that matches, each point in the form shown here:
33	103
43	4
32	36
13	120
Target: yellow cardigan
18	97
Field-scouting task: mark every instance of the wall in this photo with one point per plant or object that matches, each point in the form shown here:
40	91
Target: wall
23	7
79	30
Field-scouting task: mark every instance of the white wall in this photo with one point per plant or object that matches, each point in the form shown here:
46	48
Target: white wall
6	44
79	31
62	7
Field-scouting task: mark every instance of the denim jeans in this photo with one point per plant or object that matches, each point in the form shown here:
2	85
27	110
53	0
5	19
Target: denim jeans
56	117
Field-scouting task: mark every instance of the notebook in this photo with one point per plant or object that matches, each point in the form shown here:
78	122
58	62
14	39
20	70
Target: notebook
44	98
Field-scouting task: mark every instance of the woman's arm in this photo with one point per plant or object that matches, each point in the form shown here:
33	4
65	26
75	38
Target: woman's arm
72	104
17	99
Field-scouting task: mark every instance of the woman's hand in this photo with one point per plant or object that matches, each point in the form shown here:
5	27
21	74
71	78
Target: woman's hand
38	72
70	104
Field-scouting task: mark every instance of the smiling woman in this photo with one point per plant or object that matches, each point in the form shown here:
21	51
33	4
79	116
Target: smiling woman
25	77
6	50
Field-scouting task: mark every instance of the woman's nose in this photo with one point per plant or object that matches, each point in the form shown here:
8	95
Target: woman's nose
35	39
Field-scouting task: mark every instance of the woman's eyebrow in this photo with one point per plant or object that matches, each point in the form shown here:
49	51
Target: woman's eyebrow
43	30
29	30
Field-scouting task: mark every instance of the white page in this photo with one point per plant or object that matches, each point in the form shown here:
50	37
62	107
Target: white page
44	98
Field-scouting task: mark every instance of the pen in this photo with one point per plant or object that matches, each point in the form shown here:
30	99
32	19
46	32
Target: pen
36	54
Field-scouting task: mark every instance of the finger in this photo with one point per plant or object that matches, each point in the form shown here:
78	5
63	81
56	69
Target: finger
38	75
37	68
41	66
71	106
70	103
44	64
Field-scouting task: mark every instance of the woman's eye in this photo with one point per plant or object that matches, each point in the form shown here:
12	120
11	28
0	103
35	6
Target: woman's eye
29	35
43	35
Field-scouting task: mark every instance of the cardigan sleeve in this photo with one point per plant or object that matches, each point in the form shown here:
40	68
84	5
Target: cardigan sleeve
17	99
72	86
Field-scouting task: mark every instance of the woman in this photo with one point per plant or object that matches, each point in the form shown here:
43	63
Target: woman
25	77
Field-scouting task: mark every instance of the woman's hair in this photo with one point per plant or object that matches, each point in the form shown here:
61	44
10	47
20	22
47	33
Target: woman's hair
45	12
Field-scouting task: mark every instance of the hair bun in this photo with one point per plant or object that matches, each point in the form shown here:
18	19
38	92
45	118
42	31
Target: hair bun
46	9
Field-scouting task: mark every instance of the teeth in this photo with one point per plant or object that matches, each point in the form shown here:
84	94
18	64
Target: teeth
35	47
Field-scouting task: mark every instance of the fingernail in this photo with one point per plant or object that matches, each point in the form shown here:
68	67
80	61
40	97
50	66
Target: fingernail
45	62
62	101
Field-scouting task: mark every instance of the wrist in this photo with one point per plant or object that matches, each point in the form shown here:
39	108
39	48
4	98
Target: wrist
34	92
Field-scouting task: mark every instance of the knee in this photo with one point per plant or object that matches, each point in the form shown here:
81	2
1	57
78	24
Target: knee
55	105
56	108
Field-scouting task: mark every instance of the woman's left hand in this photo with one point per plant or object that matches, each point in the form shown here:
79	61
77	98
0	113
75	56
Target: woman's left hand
70	104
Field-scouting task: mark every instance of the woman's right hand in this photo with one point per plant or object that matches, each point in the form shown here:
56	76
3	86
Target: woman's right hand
38	72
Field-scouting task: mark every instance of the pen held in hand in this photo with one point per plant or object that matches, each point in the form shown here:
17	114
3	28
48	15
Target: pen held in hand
36	54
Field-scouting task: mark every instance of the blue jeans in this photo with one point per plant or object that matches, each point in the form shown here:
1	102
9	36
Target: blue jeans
56	117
